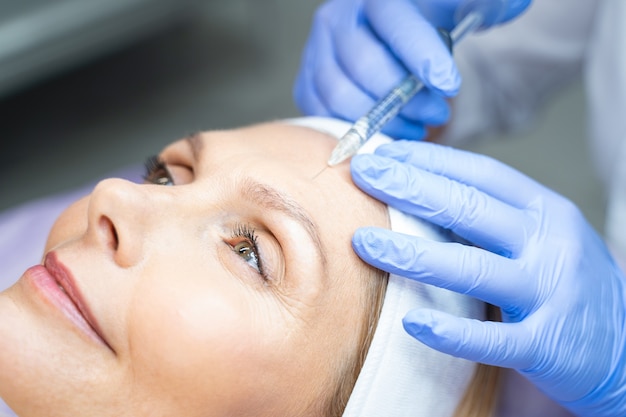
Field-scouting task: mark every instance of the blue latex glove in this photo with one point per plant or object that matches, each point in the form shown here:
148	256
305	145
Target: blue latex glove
358	50
561	294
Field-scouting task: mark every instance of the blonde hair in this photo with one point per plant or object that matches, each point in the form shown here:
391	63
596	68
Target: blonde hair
375	282
480	396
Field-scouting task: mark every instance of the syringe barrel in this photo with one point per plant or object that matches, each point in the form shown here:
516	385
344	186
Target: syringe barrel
391	105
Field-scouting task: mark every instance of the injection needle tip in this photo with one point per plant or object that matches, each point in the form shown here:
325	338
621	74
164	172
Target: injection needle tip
334	160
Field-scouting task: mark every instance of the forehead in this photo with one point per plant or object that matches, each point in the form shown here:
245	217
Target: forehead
300	150
301	147
291	157
288	157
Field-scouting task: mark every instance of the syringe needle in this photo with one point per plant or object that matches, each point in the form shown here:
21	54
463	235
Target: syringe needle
318	174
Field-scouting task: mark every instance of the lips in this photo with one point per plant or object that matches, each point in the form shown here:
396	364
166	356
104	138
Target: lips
56	284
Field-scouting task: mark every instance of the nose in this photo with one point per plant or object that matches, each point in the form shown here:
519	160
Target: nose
120	218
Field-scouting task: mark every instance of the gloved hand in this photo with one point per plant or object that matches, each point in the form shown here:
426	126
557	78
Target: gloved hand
358	50
562	296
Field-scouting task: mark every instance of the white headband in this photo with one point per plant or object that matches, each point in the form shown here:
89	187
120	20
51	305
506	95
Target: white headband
401	377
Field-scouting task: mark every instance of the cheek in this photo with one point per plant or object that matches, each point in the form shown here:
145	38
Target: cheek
201	330
71	224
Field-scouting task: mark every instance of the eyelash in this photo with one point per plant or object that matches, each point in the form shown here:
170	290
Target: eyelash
156	172
250	237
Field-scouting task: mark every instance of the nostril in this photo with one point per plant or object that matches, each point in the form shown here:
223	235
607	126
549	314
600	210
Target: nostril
110	233
115	241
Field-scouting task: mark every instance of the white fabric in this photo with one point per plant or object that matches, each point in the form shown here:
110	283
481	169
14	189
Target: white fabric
508	72
402	377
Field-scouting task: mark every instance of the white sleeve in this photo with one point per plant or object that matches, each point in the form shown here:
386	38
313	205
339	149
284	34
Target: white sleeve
509	71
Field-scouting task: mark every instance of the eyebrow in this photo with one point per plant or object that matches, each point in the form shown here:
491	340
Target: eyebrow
270	198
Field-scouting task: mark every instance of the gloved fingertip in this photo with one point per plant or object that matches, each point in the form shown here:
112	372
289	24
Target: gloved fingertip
419	323
366	242
360	238
514	9
414	131
448	85
445	79
398	150
366	166
438	113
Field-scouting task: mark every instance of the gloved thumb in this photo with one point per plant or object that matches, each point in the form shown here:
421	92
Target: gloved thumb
514	9
494	12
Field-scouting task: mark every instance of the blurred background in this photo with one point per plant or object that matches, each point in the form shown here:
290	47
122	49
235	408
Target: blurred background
90	86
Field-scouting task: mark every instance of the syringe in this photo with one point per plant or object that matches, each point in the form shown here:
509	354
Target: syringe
387	108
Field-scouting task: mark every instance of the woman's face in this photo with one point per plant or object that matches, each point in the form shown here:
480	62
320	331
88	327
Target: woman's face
233	293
